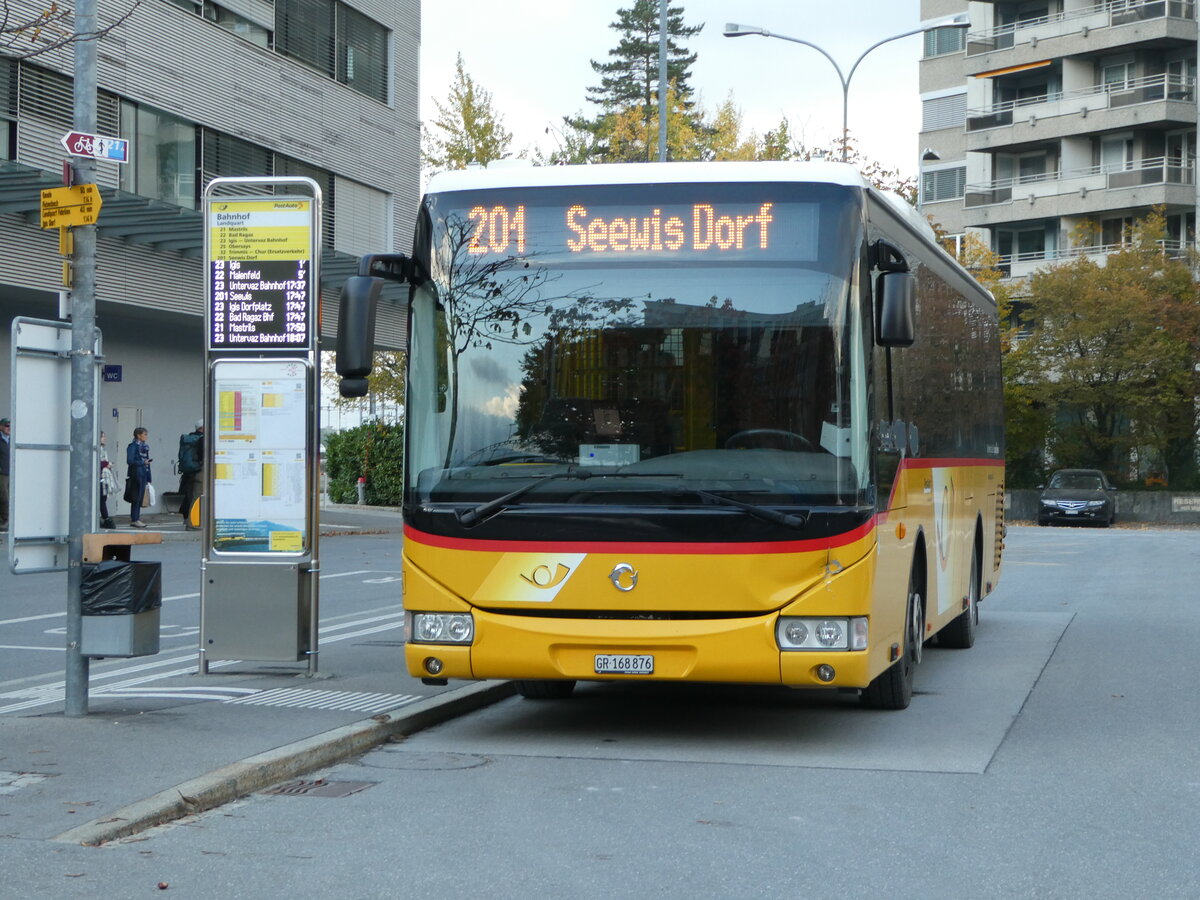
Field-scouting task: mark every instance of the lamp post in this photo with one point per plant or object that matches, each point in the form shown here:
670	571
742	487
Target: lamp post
958	20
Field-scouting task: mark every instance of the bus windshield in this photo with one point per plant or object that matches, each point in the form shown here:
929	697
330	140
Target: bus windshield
692	346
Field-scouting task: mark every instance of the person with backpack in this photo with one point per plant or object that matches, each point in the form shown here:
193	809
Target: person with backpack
191	472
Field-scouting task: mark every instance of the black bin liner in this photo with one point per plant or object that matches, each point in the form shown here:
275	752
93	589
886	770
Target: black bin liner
119	588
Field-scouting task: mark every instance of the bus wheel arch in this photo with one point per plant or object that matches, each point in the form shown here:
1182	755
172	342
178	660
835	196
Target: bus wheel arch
893	688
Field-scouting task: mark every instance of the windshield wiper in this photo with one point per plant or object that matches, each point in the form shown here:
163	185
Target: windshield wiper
761	512
484	510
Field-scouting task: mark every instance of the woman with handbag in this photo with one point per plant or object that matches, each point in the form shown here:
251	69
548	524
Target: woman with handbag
137	456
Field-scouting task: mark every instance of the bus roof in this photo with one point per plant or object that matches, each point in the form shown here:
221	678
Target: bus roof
516	174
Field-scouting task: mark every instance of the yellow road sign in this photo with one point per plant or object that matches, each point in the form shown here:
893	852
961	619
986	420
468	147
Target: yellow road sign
77	205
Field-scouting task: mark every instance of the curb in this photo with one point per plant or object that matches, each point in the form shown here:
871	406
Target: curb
289	761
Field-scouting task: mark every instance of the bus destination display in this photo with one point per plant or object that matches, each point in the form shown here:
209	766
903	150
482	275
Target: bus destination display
744	231
260	274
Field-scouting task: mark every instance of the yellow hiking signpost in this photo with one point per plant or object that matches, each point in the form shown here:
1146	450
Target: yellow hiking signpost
66	206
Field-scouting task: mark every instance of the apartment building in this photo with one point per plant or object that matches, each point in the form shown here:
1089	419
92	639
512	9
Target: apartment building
1046	114
326	89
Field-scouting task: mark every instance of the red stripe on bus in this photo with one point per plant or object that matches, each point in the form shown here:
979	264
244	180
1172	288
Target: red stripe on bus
642	547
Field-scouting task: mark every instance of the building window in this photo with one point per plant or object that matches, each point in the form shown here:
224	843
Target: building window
1114	232
225	155
8	108
338	40
944	112
163	157
943	184
295	169
239	25
229	20
940	41
362	48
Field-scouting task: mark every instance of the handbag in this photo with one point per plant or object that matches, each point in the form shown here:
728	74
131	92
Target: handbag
148	498
130	490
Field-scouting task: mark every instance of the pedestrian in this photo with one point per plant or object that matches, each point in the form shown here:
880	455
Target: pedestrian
5	442
137	456
191	472
108	484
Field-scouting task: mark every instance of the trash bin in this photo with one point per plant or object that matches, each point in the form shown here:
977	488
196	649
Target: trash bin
121	604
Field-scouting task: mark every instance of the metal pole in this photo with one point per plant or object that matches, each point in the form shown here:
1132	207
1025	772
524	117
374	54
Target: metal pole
83	374
662	80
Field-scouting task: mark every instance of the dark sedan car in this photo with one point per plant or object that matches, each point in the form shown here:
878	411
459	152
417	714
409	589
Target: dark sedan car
1078	496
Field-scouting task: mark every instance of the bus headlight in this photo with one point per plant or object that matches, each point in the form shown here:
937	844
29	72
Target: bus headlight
793	633
440	628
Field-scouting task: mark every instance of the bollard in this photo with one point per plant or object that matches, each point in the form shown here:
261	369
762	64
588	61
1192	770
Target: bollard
362	490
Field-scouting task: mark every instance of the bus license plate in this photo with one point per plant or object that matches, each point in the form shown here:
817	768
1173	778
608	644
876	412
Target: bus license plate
624	664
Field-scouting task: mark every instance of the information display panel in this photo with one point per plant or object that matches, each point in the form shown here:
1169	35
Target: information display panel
259	457
260	284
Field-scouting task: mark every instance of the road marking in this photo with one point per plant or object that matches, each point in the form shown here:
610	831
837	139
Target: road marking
11	782
304	698
290	698
45	695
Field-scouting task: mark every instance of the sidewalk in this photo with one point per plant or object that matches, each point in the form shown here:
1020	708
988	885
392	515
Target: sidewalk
145	756
161	741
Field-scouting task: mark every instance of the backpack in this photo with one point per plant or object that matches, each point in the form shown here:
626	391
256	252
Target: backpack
189	453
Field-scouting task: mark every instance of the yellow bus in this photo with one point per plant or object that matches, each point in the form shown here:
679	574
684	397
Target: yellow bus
712	422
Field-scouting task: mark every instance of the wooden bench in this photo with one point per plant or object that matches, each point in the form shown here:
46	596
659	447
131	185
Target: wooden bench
115	545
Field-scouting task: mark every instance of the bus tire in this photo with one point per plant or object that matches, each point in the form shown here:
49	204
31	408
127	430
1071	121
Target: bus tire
960	633
545	690
893	688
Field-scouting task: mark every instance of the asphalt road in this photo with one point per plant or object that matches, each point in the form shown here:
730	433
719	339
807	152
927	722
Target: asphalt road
1057	758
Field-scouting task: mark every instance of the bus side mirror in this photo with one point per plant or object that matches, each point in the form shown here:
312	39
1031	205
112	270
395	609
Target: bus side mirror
356	333
895	309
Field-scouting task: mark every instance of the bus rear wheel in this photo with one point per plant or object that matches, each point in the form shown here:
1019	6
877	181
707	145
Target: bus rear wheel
545	690
893	688
960	633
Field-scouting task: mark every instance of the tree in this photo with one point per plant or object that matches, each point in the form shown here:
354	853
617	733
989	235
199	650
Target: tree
467	128
628	89
386	382
1113	351
25	35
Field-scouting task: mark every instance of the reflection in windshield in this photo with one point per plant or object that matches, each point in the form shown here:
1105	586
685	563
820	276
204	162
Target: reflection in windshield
729	376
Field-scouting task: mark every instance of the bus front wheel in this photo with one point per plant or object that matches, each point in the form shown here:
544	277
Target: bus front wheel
893	688
545	690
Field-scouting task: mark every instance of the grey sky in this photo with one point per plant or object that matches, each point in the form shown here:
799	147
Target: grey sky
533	56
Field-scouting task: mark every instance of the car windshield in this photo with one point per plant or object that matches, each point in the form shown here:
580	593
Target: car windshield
1076	481
560	333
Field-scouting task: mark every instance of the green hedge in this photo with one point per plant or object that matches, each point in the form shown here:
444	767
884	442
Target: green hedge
374	450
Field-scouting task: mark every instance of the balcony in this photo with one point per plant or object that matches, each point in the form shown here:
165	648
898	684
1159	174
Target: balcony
1158	170
1100	97
1091	21
1022	265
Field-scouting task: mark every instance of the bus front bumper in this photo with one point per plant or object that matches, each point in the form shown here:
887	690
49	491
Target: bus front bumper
719	650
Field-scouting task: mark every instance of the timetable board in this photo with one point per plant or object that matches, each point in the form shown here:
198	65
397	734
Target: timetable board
260	273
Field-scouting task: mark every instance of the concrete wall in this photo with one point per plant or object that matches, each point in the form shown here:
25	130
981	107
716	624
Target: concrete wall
1151	507
162	373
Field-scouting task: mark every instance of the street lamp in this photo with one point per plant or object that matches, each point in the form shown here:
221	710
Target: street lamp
958	20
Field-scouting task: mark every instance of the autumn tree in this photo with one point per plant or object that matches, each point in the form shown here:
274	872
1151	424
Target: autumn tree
1113	350
628	91
467	128
24	35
